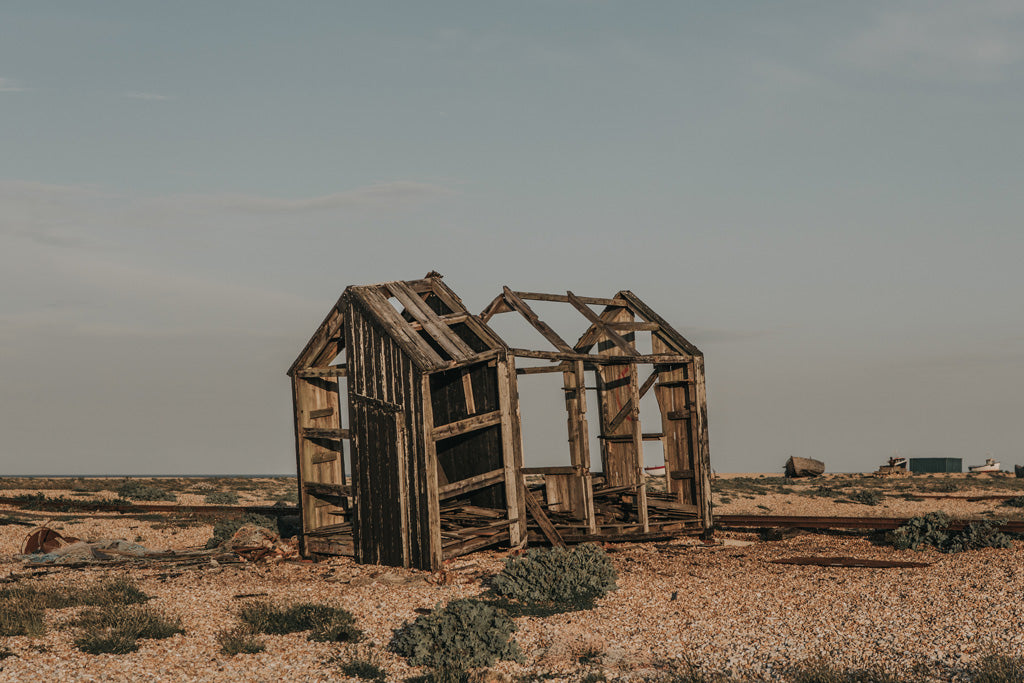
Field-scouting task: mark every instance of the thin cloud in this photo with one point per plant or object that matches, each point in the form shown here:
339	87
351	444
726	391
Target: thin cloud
383	194
9	85
978	41
147	96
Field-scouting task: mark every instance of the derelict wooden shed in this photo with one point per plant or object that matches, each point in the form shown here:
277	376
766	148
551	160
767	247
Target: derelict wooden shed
432	414
434	427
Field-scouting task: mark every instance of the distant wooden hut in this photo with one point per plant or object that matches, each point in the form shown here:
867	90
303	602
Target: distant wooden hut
433	427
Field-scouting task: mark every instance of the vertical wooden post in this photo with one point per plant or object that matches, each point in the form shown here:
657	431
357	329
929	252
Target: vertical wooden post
582	502
511	450
433	503
703	454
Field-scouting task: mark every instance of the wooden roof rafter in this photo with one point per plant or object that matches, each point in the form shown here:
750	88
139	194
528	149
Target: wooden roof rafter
601	326
326	343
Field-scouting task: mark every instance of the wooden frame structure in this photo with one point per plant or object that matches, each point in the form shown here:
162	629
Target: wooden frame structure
434	432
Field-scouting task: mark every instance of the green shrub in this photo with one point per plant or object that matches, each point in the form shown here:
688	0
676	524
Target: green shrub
569	578
866	497
222	498
325	623
932	530
239	641
136	490
463	634
223	529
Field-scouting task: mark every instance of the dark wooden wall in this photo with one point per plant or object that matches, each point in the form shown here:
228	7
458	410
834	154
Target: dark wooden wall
386	426
476	452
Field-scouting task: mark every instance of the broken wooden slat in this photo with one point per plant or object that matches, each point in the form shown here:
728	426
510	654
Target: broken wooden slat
850	562
683	474
456	549
321	412
479	481
627	409
468	425
319	458
546	527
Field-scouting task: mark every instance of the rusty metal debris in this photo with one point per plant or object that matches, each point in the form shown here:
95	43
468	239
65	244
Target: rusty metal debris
44	540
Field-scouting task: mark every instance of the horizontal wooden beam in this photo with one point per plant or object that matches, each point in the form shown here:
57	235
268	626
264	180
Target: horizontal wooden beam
314	433
473	483
552	470
542	369
323	490
538	296
321	412
631	326
470	424
652	436
683	474
663	359
448	319
320	458
329	371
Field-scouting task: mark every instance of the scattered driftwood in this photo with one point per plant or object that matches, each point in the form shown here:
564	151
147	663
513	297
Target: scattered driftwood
804	467
850	562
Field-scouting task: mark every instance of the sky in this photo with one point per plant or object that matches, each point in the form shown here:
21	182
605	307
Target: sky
824	197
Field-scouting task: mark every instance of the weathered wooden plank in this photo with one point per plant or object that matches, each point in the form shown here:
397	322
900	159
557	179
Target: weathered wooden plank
470	424
468	484
433	502
666	359
326	456
329	371
511	450
539	516
396	326
597	301
667	332
543	369
567	469
474	544
604	329
321	412
538	324
317	433
431	323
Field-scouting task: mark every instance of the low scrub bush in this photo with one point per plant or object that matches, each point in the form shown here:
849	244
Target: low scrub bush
364	666
136	490
223	529
866	497
115	629
823	672
20	617
1017	502
557	576
325	623
932	530
239	641
462	635
116	591
998	668
221	498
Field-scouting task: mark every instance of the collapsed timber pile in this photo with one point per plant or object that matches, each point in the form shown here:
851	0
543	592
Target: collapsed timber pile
430	399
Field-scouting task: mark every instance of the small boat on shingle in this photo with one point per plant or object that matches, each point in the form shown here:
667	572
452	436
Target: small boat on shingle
804	467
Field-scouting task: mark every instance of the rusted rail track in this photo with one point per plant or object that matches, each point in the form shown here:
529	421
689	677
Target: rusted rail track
66	505
870	523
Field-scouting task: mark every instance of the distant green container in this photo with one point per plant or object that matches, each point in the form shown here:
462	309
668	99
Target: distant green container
933	465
